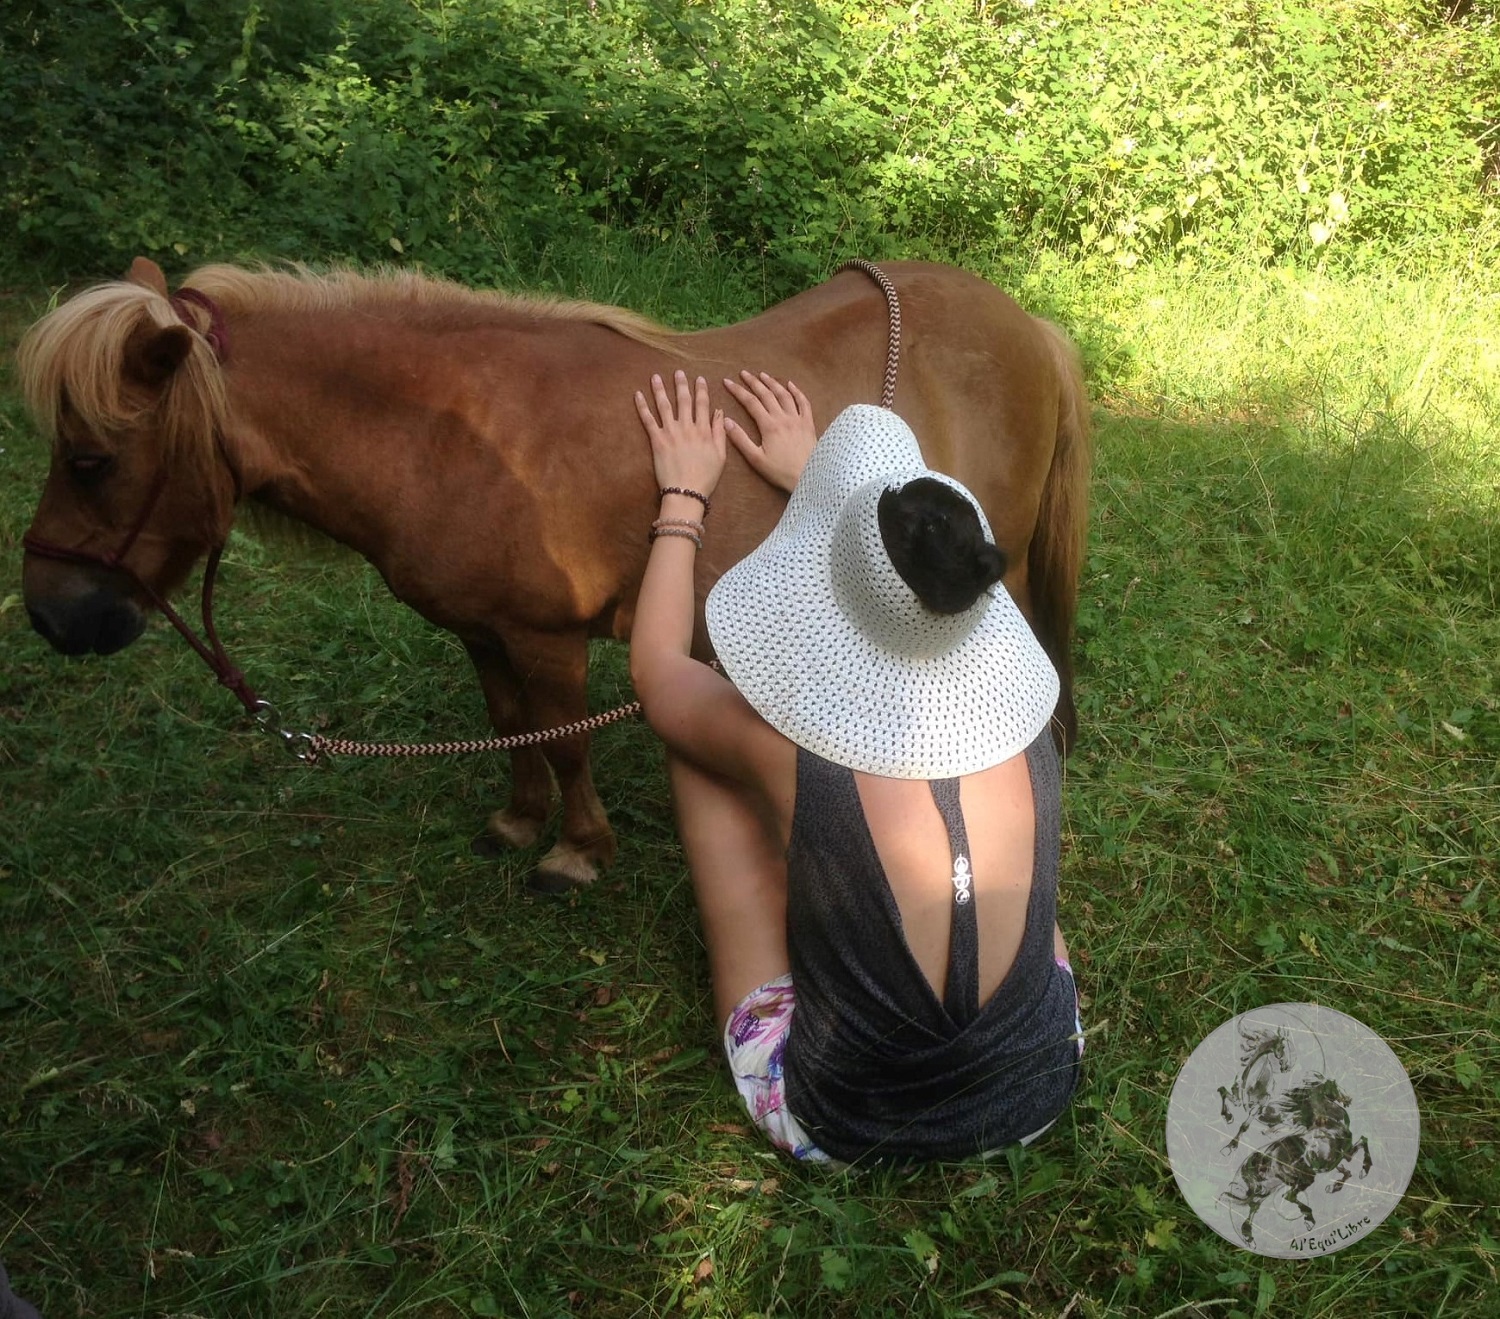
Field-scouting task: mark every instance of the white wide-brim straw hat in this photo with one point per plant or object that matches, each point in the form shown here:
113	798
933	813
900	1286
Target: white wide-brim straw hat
833	649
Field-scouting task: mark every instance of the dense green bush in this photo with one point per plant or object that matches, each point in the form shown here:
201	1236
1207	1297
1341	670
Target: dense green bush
451	131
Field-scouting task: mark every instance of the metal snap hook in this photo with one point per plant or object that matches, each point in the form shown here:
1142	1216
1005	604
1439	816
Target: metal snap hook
298	745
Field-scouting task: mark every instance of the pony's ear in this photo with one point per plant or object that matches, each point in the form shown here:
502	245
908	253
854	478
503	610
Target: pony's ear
145	272
153	353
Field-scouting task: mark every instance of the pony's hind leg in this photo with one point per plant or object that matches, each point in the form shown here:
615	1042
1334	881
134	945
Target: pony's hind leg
520	823
1294	1196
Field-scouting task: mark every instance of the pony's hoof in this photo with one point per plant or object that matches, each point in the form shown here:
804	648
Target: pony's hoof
485	844
506	829
545	885
562	870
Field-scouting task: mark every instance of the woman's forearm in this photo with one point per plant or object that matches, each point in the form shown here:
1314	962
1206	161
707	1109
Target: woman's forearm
665	612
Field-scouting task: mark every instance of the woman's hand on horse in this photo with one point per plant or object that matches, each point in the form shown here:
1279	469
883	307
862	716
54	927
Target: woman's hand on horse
687	444
785	420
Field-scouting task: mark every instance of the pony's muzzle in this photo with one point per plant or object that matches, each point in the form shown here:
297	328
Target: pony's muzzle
99	623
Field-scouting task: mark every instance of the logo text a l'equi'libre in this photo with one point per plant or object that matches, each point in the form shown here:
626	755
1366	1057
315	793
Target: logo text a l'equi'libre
1341	1233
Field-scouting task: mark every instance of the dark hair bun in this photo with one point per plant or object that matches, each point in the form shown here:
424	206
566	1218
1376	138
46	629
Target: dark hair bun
937	545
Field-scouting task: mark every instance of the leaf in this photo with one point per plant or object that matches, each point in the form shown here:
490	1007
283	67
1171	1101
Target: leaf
1265	1293
1270	941
1465	1069
836	1270
923	1247
1160	1237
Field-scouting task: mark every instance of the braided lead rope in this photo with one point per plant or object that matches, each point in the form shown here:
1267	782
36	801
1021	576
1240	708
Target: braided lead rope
311	747
893	304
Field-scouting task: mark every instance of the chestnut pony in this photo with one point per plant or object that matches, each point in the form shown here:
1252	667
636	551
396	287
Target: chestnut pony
482	451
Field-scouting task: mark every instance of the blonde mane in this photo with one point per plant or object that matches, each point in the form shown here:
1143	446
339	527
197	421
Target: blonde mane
75	355
438	300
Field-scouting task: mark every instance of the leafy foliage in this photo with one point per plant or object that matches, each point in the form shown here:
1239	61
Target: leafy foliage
1292	130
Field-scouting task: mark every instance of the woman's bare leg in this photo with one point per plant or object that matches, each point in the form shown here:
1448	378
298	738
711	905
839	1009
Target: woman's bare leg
739	880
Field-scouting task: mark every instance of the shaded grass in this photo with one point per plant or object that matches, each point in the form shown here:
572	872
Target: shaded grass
275	1042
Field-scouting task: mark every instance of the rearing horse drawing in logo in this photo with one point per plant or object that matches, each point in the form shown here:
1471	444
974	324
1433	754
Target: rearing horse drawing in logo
1319	1140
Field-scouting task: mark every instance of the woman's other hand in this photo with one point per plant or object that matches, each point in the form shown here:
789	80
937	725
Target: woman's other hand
687	444
785	420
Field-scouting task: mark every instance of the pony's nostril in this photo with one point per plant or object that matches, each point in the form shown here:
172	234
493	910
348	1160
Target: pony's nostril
42	625
117	629
62	634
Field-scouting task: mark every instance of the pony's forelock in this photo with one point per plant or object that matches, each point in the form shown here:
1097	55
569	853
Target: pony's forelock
77	352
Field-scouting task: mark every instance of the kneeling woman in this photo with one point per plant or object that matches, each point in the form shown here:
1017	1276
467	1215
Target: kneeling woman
868	801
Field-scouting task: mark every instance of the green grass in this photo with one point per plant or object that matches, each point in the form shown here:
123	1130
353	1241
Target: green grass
273	1042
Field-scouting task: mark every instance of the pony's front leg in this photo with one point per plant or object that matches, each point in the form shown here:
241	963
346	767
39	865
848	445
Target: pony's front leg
520	823
1346	1164
553	671
1235	1143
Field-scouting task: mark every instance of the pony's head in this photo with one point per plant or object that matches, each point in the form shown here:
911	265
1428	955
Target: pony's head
132	401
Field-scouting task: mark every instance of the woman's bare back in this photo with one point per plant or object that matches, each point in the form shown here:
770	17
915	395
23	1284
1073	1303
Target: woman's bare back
912	843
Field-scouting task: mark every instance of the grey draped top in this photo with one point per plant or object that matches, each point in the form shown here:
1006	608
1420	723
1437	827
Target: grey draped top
876	1065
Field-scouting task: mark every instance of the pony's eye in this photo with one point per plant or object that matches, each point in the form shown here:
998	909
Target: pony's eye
86	468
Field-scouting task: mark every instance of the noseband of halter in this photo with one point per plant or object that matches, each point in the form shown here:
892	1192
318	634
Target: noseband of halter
212	653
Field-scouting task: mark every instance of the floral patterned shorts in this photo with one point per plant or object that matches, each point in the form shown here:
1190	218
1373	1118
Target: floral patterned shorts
754	1041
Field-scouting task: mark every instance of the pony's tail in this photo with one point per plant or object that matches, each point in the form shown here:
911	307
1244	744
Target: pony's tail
1055	558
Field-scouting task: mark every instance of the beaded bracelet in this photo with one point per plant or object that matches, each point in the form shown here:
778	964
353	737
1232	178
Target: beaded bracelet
689	523
683	490
678	531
